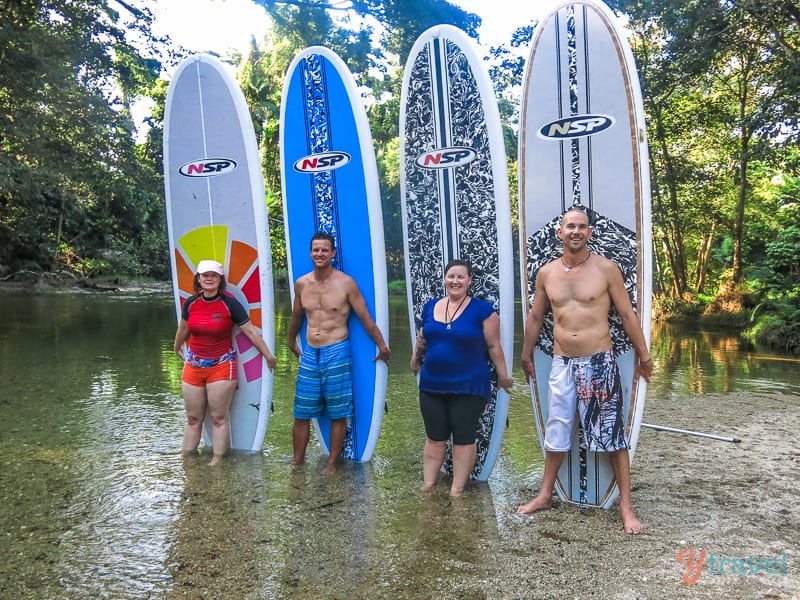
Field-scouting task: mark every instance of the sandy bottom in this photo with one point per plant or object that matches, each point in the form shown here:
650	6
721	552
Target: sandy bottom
721	521
736	502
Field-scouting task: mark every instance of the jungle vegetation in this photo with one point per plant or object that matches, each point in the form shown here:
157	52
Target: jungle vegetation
81	190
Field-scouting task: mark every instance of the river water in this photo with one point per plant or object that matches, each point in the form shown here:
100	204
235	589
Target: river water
95	500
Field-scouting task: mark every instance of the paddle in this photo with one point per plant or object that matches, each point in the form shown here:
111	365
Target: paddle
712	436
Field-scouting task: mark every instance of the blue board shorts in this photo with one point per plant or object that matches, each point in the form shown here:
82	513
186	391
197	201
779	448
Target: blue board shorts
593	384
325	382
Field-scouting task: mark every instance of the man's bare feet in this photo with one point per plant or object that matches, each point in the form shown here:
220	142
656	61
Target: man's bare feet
630	522
456	492
535	505
426	487
216	459
330	468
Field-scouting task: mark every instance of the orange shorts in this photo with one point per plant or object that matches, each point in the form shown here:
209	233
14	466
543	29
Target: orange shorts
200	376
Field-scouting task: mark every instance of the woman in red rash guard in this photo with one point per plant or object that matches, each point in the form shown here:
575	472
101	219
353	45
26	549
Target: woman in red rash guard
209	371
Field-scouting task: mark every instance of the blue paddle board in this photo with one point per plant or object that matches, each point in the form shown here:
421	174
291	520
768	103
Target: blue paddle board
583	142
454	196
216	210
330	183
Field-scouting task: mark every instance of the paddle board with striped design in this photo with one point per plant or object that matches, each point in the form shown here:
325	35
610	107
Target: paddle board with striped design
583	142
330	183
454	196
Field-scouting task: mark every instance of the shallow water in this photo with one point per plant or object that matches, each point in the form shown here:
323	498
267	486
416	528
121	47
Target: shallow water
95	500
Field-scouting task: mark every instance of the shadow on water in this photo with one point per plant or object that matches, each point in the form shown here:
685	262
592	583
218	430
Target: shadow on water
95	500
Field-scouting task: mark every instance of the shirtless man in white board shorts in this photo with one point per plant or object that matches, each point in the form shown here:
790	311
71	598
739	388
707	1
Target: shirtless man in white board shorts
580	288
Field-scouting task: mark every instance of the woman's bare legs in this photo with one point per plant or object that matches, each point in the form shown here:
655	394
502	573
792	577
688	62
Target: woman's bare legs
220	395
432	459
463	463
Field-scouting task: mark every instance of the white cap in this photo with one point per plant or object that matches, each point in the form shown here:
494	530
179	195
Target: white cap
210	266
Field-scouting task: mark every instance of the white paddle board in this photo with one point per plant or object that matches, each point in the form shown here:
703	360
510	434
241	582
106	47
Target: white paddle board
583	142
216	210
330	183
454	196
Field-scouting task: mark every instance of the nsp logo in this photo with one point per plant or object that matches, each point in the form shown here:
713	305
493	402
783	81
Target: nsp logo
324	161
208	167
575	126
446	157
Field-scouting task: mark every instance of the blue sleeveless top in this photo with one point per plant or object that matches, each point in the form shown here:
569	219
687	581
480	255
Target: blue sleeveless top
456	361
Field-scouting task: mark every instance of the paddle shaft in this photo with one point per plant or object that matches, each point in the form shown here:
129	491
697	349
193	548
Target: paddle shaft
712	436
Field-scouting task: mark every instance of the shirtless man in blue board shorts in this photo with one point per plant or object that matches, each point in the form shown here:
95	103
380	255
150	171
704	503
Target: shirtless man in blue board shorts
580	287
325	297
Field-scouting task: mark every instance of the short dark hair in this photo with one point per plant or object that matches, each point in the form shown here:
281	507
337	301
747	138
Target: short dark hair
580	209
457	262
324	235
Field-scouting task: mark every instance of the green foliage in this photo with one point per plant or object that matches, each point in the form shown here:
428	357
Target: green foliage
389	173
722	124
277	232
85	268
397	287
779	333
71	178
783	258
723	252
666	307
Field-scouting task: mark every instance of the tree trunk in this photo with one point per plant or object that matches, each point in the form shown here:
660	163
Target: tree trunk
675	244
703	255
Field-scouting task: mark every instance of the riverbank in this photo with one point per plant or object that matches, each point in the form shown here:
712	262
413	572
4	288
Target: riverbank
720	518
54	284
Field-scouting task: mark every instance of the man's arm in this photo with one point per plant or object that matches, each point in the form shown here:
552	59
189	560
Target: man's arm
359	306
630	321
533	324
296	320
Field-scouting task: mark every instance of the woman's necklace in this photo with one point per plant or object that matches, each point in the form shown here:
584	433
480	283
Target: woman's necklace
447	318
568	268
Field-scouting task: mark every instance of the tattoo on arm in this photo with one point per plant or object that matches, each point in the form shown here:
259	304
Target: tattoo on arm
419	349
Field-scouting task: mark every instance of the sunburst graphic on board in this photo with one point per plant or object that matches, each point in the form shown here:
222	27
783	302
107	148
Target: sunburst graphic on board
240	260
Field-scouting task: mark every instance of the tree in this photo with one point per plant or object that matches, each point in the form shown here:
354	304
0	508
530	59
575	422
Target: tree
373	38
720	87
73	190
399	21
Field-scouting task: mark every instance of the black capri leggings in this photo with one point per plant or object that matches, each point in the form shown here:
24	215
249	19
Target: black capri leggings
456	414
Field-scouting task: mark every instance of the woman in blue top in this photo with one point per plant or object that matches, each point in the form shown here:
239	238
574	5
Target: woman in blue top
457	333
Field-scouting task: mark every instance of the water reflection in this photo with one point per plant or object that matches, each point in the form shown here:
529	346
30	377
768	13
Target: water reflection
95	500
215	544
701	362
